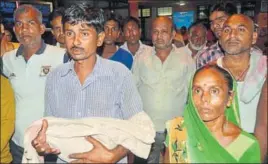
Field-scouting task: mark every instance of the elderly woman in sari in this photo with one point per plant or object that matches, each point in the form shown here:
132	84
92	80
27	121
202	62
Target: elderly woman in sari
209	131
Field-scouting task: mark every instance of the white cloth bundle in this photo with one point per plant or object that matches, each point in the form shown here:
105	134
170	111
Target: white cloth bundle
136	134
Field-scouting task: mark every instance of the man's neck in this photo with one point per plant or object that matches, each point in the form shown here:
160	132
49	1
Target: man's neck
163	53
29	50
239	61
84	67
108	50
194	52
133	48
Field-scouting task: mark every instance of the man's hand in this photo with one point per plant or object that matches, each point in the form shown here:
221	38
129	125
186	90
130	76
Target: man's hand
40	144
99	154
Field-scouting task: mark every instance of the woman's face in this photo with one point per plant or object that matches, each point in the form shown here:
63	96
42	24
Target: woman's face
210	94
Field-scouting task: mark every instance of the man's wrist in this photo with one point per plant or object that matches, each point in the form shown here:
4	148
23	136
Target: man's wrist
118	153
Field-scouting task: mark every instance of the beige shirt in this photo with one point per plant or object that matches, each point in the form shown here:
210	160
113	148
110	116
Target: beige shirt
163	86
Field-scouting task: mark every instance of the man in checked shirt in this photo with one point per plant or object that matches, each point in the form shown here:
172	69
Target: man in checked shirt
219	13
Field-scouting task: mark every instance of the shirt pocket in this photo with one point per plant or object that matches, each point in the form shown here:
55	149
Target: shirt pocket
149	76
177	80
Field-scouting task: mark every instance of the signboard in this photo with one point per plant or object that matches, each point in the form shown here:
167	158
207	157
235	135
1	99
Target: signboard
7	9
45	7
183	18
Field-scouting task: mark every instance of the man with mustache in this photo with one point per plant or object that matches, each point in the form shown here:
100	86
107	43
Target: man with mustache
132	35
110	50
89	86
27	68
249	69
218	15
197	36
162	76
57	31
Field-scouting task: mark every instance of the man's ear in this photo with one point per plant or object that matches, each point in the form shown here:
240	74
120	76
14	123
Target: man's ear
42	29
230	99
100	39
254	37
118	34
52	31
173	34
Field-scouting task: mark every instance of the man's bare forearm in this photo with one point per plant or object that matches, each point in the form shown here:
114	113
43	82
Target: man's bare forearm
261	122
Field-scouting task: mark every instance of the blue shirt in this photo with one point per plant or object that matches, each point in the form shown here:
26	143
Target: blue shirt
123	57
109	91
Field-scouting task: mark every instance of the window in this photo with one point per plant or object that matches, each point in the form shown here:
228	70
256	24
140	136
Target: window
164	11
145	12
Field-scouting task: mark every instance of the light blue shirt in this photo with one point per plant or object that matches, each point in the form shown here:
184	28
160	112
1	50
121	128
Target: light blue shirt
109	91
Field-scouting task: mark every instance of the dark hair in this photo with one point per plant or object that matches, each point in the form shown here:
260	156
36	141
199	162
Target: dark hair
132	19
1	18
56	13
114	18
197	23
227	7
227	76
84	13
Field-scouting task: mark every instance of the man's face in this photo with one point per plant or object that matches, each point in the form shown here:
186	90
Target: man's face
112	32
238	35
82	40
57	29
217	19
2	30
27	28
198	38
8	35
132	33
162	33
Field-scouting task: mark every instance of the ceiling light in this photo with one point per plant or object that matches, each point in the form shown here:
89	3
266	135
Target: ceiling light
182	3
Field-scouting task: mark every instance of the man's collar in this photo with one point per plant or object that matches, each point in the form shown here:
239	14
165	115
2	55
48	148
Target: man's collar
39	51
174	48
124	46
97	69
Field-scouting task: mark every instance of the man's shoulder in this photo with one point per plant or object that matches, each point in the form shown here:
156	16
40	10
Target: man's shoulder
55	51
146	46
182	53
145	53
111	67
60	70
9	55
124	52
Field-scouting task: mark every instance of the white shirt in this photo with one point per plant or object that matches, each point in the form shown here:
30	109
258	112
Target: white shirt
28	82
163	87
248	111
142	49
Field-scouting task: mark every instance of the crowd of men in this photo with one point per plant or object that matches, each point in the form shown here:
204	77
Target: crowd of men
88	75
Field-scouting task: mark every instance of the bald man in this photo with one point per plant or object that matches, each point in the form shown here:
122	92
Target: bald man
249	69
162	77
